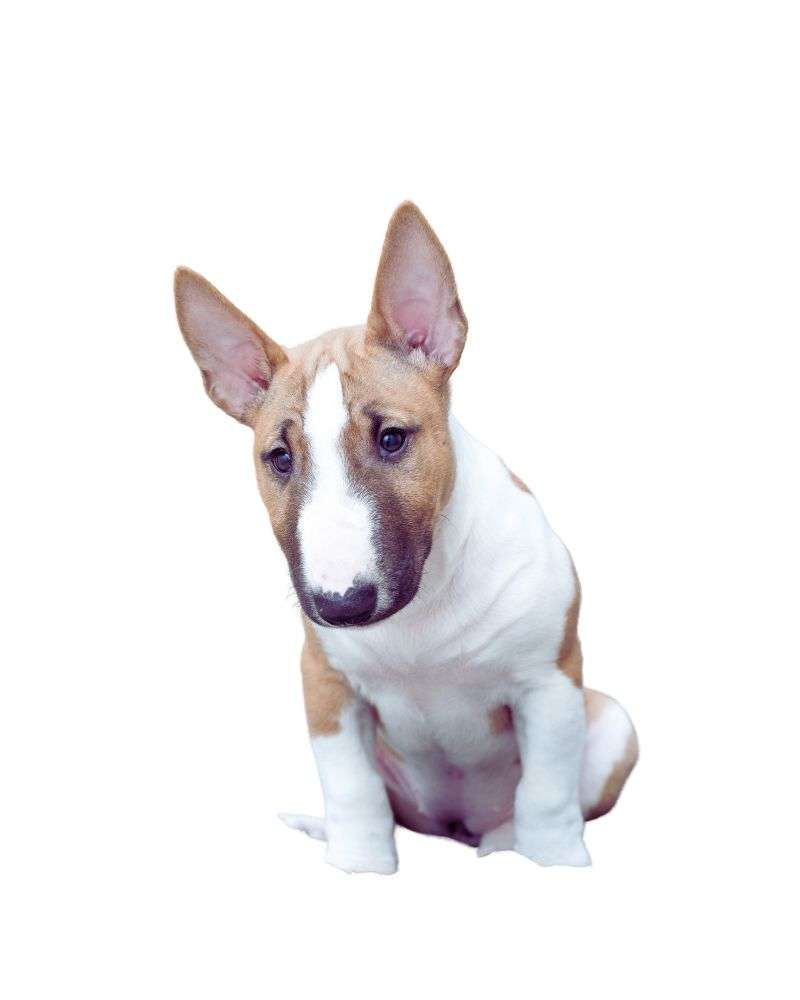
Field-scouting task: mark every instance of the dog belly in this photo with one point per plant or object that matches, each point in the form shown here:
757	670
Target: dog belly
431	794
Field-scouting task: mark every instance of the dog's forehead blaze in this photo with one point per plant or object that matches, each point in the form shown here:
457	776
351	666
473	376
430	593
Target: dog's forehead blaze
375	381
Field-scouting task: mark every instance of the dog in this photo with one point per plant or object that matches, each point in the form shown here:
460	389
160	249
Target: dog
442	671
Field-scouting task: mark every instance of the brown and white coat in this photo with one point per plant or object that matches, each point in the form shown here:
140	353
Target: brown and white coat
442	670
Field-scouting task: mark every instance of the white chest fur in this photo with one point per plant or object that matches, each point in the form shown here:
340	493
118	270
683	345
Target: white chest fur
488	618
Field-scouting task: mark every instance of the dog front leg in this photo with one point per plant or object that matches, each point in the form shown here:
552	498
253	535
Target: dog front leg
550	722
359	825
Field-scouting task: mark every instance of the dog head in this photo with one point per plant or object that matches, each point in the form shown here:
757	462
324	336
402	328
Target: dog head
352	447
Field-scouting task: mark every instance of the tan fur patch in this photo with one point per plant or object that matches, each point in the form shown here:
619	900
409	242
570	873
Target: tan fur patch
616	780
325	690
570	657
500	720
595	702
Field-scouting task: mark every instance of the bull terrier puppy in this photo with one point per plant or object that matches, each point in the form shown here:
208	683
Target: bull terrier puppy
442	671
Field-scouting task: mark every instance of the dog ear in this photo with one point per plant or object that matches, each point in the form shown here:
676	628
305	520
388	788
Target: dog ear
415	303
236	358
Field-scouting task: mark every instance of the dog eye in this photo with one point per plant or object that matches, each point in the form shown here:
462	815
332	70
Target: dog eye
280	459
392	440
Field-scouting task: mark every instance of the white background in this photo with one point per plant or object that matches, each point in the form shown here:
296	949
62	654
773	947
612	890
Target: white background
617	185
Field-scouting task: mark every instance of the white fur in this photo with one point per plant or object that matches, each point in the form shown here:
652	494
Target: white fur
335	523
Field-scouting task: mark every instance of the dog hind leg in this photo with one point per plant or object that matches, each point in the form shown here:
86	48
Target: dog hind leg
609	757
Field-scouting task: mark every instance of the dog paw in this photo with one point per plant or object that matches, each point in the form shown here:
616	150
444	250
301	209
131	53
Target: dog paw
355	848
548	847
349	851
499	839
359	859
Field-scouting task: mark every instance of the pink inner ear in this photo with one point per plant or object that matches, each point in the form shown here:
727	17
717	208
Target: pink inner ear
246	357
415	319
233	367
257	376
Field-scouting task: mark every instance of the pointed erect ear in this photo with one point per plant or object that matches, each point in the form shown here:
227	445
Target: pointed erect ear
237	359
415	304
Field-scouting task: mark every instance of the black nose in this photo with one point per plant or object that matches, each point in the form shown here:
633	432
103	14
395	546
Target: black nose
353	607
